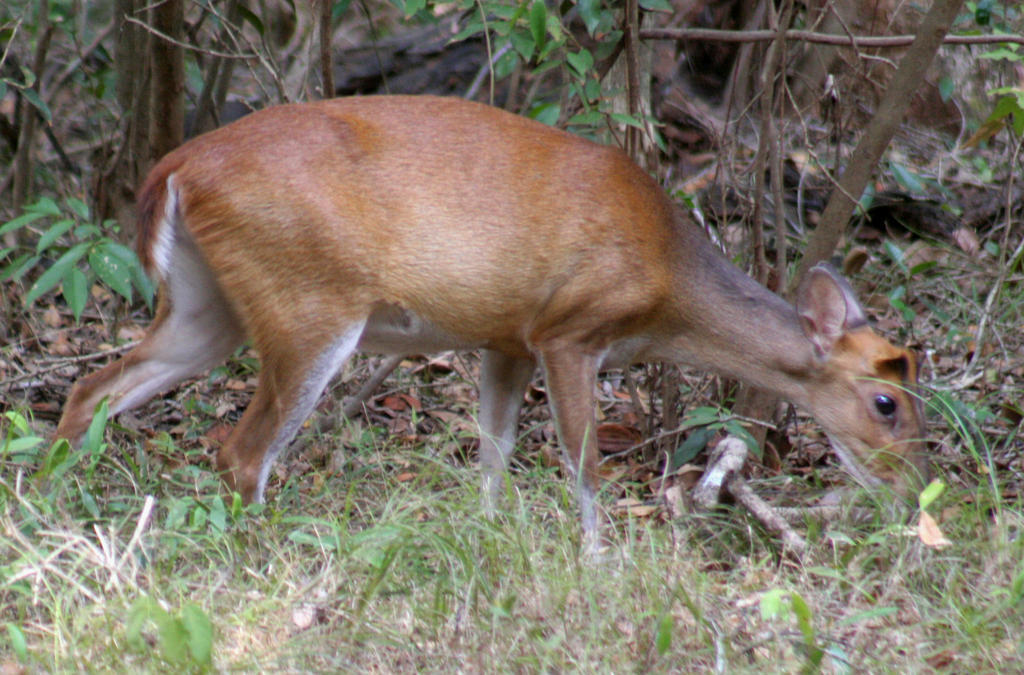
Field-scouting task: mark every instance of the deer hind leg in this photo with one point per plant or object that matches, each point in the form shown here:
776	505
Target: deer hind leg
295	370
503	380
570	375
195	328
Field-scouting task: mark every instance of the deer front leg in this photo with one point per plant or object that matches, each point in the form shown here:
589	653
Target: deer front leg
570	375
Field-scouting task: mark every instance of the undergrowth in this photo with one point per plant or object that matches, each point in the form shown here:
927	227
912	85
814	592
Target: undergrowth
384	562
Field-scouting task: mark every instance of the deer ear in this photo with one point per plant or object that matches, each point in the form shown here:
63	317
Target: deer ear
827	307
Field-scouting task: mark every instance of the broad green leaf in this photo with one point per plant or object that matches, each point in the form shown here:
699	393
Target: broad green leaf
695	442
20	221
94	435
56	457
19	645
18	446
46	206
656	5
17	423
580	61
200	633
592	13
628	120
774	605
546	113
907	179
51	277
75	288
19	266
55	232
930	493
111	269
174	643
80	208
538	22
663	640
523	44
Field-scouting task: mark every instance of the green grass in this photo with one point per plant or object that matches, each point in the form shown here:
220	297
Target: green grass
386	564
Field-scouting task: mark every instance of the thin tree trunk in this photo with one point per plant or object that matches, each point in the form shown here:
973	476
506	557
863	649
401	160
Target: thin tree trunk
878	134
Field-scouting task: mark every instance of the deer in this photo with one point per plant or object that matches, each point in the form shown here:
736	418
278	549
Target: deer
418	224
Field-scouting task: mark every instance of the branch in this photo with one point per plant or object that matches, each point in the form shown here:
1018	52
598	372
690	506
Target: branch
879	132
885	42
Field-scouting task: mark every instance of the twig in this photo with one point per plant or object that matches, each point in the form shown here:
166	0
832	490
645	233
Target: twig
66	361
873	41
185	45
355	403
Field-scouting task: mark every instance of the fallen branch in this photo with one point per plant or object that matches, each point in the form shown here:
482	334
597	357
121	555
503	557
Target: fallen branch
872	41
723	473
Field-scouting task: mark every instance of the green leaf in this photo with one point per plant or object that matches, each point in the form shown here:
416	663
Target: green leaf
17	267
773	604
581	61
1001	54
111	268
200	633
51	277
56	457
628	120
20	446
538	22
656	5
946	88
94	435
75	288
174	643
696	441
218	514
80	208
546	113
45	206
20	221
523	44
702	416
592	13
19	645
663	640
930	494
32	96
55	232
907	179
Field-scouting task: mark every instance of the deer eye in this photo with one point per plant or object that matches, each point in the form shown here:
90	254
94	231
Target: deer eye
885	405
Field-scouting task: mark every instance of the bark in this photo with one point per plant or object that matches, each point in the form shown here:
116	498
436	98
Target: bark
167	123
326	62
29	114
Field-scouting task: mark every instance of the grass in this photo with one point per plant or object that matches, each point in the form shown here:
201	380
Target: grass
384	563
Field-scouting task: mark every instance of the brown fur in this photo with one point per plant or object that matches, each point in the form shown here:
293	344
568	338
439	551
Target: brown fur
471	227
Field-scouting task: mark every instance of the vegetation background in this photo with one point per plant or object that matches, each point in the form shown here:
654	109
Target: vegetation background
371	553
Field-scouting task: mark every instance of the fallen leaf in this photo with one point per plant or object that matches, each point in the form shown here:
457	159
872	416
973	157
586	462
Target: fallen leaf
929	532
304	616
405	476
676	502
612	438
51	317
